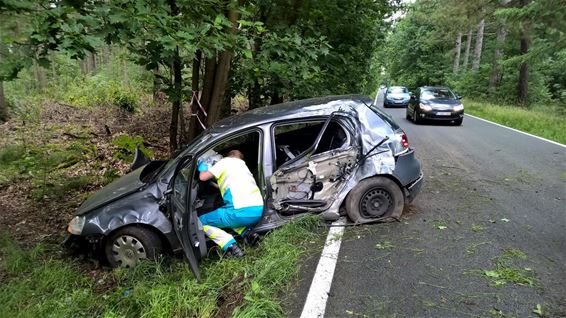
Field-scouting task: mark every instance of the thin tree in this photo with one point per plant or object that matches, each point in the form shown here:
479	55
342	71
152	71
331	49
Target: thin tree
478	46
525	39
467	50
457	49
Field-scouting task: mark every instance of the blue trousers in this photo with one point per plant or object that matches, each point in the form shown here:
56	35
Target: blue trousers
229	217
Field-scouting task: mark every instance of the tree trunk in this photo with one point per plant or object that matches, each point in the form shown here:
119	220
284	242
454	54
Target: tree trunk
495	77
106	54
218	96
156	86
83	66
523	85
194	109
3	108
39	74
276	98
208	82
92	63
176	101
468	46
219	92
478	47
457	49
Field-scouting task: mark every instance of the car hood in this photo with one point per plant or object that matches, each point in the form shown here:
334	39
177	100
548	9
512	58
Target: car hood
118	189
442	103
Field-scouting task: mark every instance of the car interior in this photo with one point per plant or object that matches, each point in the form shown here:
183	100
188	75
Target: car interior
291	140
248	144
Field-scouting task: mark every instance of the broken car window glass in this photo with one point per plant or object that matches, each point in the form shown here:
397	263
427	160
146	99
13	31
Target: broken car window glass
291	140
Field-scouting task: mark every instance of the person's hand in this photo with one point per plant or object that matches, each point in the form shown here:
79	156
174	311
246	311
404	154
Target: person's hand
202	166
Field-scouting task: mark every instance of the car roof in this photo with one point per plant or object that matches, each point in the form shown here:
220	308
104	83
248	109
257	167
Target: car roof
444	87
311	107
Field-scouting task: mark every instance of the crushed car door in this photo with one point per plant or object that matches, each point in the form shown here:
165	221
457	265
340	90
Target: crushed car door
184	216
311	180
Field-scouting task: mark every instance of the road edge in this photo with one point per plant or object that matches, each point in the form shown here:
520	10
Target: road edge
519	131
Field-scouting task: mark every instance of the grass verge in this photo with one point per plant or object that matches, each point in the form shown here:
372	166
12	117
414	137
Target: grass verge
39	283
548	122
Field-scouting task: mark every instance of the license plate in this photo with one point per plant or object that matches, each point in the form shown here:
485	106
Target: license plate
443	113
398	101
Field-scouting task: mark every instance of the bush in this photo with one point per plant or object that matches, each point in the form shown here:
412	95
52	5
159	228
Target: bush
127	147
97	90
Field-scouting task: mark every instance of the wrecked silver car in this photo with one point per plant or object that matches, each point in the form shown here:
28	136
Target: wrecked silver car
332	155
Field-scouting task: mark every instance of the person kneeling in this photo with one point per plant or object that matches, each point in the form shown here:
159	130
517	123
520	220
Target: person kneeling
243	204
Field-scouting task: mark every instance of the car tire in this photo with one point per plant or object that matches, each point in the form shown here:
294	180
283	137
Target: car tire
129	245
458	122
415	117
375	199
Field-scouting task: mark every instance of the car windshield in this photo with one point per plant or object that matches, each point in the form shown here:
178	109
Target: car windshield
437	93
397	90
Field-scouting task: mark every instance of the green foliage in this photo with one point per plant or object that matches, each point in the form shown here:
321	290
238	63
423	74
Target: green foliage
97	90
506	272
420	50
127	147
119	83
542	120
39	284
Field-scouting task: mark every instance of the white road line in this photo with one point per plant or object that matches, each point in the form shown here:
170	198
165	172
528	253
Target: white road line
516	130
315	305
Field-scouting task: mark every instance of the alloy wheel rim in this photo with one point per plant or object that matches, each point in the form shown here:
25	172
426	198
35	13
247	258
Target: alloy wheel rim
128	251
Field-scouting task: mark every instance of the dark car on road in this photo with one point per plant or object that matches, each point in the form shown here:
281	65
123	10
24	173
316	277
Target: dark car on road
396	96
435	103
323	155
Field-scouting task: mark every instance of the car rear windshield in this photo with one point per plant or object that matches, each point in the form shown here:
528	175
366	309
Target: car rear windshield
397	90
437	93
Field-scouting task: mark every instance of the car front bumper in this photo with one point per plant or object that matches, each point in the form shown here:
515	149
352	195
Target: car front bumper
441	115
395	103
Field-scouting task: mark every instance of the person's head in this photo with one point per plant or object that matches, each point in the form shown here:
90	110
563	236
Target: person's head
236	154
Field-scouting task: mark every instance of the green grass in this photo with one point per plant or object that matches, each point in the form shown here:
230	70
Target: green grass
505	271
544	121
38	283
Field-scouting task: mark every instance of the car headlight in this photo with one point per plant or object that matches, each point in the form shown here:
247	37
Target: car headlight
424	107
458	108
76	225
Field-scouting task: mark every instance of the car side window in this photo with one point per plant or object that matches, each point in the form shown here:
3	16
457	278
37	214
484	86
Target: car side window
292	139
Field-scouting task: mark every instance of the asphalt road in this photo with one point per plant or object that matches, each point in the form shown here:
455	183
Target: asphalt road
493	200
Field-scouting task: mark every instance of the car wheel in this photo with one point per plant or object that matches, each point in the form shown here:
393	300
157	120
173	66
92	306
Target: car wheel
375	198
415	117
458	122
130	245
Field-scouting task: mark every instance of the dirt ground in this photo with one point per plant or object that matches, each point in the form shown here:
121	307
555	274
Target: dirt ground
29	220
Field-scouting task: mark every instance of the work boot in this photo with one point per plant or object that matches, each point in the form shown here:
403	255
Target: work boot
234	251
251	239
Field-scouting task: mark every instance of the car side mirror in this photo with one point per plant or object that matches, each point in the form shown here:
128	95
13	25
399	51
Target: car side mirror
459	97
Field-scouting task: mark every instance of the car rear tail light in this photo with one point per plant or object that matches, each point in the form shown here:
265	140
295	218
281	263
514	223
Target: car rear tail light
404	140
